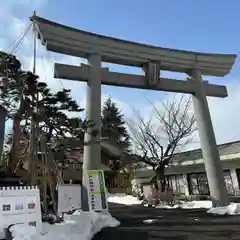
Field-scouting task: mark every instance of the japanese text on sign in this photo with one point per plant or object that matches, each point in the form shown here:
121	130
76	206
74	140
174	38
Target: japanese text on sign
96	190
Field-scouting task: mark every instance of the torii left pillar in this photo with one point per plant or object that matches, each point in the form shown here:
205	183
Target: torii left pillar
92	147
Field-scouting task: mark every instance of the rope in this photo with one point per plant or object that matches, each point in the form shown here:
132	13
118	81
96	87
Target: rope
17	42
49	55
50	60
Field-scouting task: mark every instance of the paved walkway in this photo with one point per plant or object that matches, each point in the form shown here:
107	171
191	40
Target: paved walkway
140	223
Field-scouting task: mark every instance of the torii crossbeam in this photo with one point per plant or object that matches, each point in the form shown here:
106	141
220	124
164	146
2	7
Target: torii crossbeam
97	48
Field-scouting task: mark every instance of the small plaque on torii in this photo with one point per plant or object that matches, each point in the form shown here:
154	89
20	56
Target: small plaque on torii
152	72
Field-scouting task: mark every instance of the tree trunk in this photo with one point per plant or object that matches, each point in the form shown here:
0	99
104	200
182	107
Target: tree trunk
15	138
15	141
160	177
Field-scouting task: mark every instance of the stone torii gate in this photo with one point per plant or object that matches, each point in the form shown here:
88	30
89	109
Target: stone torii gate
97	48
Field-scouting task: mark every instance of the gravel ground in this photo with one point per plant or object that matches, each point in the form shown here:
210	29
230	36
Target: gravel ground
138	222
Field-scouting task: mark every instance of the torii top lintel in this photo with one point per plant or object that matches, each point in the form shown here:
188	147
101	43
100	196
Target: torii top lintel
67	40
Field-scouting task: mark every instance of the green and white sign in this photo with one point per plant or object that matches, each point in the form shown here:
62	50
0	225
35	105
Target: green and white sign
97	198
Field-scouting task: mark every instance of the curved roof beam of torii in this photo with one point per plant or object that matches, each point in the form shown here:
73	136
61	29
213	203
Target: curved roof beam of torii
74	42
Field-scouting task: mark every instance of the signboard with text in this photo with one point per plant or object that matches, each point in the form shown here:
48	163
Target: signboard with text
69	197
97	197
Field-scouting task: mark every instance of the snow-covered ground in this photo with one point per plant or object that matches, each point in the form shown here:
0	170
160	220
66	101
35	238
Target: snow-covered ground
123	199
80	225
232	209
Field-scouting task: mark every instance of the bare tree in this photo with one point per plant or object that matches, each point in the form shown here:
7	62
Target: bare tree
167	131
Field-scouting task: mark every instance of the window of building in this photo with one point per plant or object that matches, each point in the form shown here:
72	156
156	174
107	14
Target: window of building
198	184
228	182
176	183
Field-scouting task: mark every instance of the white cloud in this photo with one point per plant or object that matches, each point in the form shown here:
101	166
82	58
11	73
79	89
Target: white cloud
26	7
14	16
14	27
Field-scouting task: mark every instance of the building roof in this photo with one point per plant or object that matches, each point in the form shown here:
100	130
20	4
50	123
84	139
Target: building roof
192	155
192	161
224	149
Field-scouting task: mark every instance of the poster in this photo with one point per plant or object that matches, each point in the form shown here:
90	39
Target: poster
69	197
7	207
19	205
97	198
31	204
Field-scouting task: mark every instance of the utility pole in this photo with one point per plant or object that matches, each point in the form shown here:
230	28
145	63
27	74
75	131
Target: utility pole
32	143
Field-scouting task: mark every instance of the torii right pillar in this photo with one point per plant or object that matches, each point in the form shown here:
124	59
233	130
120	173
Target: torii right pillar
214	171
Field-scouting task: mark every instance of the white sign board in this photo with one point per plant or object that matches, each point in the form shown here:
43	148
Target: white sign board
19	205
95	183
69	197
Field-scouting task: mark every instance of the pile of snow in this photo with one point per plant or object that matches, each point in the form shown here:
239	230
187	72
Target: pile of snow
123	199
231	209
166	206
187	205
22	231
149	221
80	225
130	200
196	204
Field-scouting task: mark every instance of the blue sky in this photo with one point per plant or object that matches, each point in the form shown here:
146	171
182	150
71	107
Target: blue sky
208	26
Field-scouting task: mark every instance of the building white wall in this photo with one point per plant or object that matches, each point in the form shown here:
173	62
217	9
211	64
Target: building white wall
228	163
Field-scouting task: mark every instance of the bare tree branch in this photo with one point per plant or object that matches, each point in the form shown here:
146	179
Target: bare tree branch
158	137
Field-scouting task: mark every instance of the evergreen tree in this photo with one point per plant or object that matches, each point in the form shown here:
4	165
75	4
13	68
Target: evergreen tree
113	125
26	98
